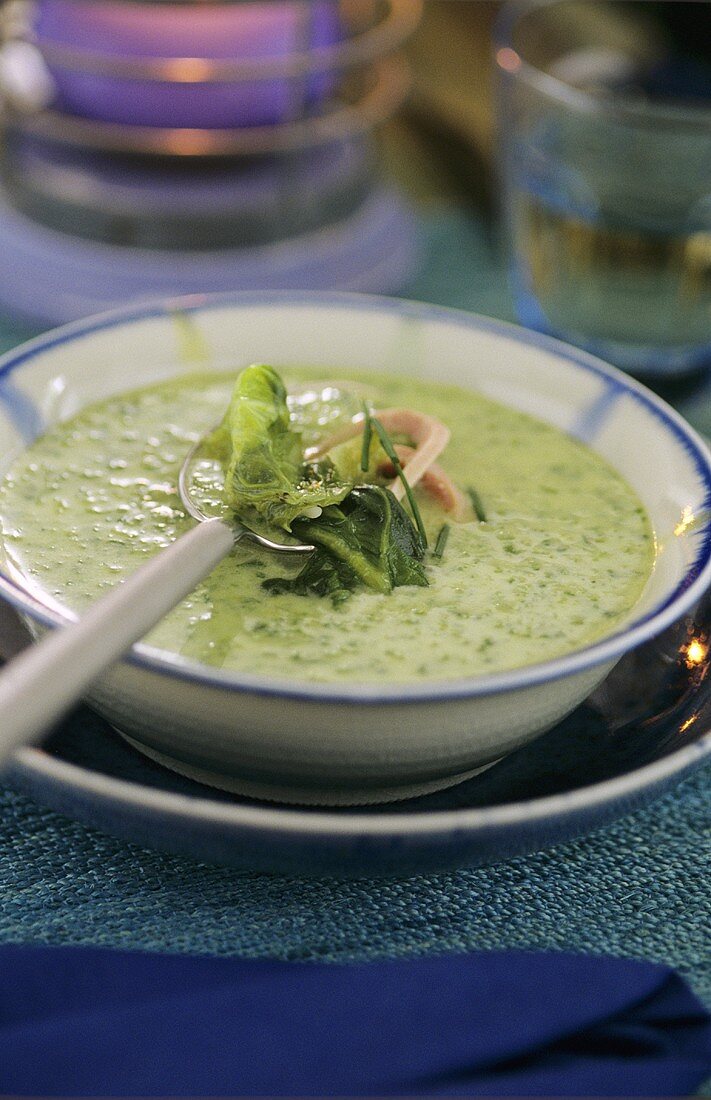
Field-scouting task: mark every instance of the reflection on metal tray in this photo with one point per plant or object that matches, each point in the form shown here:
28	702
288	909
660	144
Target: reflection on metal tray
59	278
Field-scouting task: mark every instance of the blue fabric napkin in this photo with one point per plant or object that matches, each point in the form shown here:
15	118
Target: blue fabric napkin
78	1022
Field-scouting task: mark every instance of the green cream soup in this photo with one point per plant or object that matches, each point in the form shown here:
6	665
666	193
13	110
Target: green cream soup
560	559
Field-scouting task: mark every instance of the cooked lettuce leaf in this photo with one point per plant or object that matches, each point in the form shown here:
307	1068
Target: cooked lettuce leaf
265	473
368	539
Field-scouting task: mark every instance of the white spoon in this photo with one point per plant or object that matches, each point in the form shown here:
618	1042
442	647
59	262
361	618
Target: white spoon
39	685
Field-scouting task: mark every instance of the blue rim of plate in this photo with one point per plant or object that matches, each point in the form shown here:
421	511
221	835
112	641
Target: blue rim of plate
271	817
153	660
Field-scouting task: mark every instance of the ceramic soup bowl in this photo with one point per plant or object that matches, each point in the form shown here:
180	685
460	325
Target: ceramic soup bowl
357	742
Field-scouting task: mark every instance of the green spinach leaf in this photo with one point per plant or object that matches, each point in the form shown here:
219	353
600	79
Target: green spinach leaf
368	539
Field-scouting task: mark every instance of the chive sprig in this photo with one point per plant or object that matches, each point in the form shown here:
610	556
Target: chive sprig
477	504
367	436
441	541
387	445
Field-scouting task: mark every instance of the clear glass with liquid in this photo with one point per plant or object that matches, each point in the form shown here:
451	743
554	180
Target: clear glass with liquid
606	161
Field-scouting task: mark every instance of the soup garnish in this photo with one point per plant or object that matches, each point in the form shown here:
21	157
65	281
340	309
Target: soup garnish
362	534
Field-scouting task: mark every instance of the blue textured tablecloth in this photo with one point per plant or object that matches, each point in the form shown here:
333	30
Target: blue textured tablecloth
637	888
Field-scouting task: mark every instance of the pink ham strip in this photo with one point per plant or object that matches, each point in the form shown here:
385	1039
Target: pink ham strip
431	436
438	485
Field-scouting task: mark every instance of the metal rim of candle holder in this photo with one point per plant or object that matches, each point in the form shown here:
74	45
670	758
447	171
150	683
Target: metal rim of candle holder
120	201
399	20
386	90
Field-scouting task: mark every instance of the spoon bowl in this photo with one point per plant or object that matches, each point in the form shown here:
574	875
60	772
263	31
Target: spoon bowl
240	533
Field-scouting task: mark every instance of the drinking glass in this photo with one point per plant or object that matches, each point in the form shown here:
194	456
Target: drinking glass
605	137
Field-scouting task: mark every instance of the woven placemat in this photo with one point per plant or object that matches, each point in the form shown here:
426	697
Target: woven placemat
637	888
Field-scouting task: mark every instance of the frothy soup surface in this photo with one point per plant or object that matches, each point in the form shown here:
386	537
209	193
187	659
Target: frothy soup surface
560	560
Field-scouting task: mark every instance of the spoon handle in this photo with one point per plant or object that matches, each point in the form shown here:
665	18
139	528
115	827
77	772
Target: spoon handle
41	683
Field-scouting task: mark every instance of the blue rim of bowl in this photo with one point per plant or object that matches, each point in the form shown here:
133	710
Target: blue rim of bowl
608	649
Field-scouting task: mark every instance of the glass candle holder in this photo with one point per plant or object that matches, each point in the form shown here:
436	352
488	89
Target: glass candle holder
153	147
186	65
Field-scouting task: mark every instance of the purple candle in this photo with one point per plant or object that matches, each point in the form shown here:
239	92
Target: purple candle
158	64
